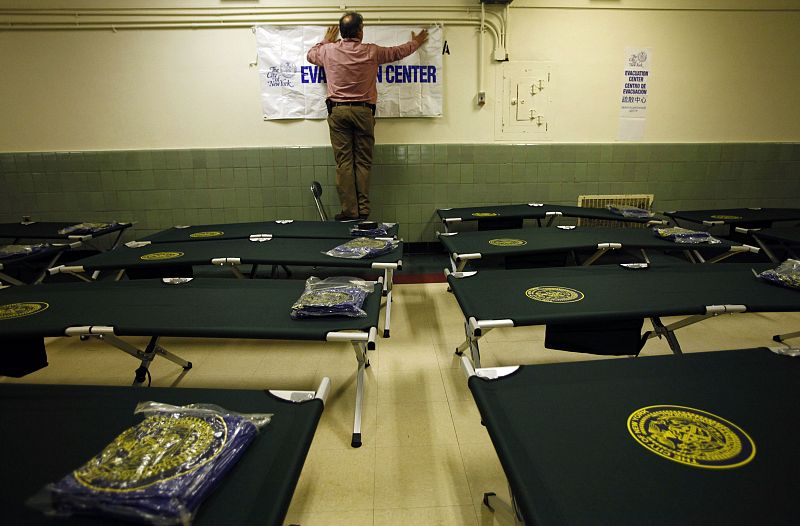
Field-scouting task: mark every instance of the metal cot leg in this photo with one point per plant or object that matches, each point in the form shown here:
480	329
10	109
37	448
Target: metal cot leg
495	503
470	343
387	283
146	356
361	355
666	332
788	335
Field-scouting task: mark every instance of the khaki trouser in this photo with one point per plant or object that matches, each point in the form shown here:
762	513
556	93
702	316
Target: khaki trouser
352	138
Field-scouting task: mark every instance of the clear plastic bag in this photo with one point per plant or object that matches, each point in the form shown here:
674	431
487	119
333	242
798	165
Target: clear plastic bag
338	296
86	228
363	247
158	471
685	236
9	251
787	274
381	230
629	211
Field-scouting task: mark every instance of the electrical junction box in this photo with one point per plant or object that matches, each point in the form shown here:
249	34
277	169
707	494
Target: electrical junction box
524	101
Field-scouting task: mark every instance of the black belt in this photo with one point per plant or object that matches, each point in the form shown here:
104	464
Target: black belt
356	103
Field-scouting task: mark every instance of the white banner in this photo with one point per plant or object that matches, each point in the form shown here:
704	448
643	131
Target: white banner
292	88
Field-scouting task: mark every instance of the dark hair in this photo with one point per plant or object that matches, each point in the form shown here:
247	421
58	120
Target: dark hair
350	23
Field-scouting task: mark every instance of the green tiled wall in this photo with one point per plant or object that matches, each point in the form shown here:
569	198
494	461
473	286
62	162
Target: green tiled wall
162	188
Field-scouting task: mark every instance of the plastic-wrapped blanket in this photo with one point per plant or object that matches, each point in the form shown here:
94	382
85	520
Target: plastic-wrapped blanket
338	296
379	230
363	247
86	228
629	211
684	235
787	274
159	471
9	251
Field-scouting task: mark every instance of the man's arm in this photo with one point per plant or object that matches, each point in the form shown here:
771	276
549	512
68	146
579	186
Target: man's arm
330	36
395	53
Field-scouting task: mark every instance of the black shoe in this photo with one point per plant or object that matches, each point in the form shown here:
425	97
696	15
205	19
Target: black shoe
342	217
363	216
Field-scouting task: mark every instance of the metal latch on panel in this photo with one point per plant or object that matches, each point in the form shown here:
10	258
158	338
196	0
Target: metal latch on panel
526	92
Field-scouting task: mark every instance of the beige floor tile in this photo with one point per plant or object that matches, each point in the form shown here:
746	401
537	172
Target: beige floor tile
516	334
326	357
331	518
398	356
288	355
467	422
496	517
335	480
217	381
455	385
439	516
447	357
231	355
484	472
406	386
412	317
422	476
414	423
450	322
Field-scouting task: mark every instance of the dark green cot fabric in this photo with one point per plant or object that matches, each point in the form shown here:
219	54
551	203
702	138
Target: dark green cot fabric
45	253
526	211
738	216
618	337
212	308
293	228
612	292
32	261
276	251
548	240
49	230
560	431
787	235
50	430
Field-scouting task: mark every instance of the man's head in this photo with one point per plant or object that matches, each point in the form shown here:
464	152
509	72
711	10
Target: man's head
351	24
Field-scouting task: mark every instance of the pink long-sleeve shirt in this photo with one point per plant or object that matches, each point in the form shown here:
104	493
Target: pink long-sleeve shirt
351	67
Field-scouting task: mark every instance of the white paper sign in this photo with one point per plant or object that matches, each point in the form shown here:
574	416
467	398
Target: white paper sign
631	129
636	82
292	88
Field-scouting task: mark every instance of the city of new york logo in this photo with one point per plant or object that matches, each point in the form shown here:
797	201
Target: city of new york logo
691	437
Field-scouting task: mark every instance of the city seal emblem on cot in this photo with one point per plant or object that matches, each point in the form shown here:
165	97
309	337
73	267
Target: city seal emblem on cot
507	242
158	256
20	310
554	294
212	233
691	437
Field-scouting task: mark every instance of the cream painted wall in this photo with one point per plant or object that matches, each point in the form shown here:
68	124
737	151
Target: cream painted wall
718	76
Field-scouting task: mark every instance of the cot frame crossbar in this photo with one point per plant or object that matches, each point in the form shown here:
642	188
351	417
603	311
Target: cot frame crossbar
360	340
475	329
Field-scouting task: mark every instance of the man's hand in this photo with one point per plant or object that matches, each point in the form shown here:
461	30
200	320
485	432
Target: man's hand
420	38
332	33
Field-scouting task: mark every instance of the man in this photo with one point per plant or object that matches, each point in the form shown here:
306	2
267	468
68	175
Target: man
351	70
